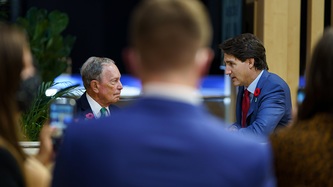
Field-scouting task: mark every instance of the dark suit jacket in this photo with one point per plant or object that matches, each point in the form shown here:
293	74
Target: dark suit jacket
272	109
159	142
83	107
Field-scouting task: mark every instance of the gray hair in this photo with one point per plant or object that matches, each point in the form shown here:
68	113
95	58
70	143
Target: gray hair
92	69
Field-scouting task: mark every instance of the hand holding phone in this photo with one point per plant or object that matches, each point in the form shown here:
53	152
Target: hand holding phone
61	114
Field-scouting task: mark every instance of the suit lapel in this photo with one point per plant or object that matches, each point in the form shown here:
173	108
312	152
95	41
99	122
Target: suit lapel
260	84
239	104
252	106
113	108
84	105
262	79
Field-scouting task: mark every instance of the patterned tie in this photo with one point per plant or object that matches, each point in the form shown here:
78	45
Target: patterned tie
245	107
104	112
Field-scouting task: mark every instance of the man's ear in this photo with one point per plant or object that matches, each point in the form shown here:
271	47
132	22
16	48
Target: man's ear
132	61
251	62
94	85
203	60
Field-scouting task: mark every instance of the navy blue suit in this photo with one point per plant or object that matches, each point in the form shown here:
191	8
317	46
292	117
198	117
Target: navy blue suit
157	142
83	107
272	109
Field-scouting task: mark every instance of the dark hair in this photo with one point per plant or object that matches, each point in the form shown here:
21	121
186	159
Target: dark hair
319	94
12	43
246	46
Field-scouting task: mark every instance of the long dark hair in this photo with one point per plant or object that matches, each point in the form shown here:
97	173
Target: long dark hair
12	43
319	73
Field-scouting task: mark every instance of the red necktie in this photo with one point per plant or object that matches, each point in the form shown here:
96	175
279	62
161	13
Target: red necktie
245	107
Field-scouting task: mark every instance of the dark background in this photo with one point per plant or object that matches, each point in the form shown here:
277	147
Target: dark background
100	28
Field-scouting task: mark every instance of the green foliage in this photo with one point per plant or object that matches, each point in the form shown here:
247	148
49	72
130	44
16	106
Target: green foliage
50	49
4	10
33	120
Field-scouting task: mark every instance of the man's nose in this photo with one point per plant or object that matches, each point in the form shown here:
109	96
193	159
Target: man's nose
120	86
227	70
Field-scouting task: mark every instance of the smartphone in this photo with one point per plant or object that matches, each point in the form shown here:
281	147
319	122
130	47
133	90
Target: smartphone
62	111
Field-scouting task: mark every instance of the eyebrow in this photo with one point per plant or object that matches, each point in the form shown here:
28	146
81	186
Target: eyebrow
228	61
115	78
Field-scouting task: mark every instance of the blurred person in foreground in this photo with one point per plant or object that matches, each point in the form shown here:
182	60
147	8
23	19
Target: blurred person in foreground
101	79
166	137
20	81
263	103
303	152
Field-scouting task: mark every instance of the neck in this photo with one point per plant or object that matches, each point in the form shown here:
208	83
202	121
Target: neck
95	97
185	79
253	76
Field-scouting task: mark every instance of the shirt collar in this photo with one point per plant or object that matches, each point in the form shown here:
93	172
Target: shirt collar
176	92
95	107
254	83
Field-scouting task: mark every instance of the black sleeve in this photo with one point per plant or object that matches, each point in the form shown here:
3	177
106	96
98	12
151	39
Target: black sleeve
10	173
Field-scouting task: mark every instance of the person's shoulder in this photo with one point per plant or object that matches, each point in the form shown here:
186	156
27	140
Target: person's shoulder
236	142
256	152
81	97
247	141
7	151
114	107
6	156
245	156
273	80
80	100
10	172
82	106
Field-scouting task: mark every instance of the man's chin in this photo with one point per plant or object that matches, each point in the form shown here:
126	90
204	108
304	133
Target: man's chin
116	99
236	83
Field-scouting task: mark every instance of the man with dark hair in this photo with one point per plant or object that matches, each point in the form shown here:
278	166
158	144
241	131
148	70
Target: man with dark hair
263	100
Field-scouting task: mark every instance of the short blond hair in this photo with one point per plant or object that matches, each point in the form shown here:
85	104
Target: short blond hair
169	29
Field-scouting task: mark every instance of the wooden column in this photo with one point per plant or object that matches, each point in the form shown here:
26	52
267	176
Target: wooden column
277	24
315	24
294	17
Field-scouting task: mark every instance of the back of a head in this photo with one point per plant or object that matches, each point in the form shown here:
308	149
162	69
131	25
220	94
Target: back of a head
169	31
318	93
245	46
